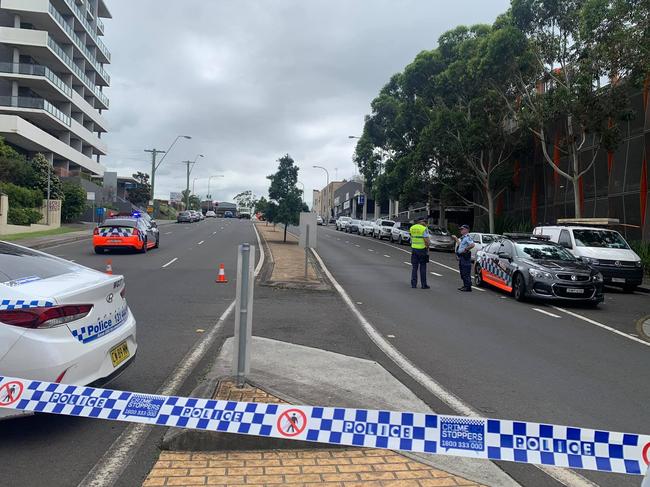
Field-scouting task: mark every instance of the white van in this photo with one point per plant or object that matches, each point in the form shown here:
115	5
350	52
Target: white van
606	250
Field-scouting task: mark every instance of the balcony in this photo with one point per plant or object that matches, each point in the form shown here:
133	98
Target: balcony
80	45
35	103
67	60
100	26
81	16
36	70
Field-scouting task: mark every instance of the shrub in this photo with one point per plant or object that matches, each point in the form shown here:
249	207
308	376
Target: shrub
643	250
23	216
20	197
74	201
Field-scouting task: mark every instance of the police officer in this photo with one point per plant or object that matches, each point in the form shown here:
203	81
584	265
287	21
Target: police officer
465	244
419	253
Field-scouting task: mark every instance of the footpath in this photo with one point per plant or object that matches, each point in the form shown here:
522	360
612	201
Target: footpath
306	349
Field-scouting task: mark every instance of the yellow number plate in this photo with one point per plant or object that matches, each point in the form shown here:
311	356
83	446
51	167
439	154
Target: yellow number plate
119	353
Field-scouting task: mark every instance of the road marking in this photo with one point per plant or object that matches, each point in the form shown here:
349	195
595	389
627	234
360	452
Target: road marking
371	250
170	262
390	336
201	242
347	241
408	263
478	289
168	233
387	256
110	467
357	245
601	325
546	313
566	477
214	233
436	274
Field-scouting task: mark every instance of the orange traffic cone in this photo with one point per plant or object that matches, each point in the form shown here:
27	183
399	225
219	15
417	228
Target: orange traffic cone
109	266
222	274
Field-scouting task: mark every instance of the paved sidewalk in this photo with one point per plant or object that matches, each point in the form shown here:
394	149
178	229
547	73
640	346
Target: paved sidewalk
343	467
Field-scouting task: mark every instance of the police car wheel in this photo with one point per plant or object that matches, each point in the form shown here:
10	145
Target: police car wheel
157	243
519	288
399	240
99	250
143	250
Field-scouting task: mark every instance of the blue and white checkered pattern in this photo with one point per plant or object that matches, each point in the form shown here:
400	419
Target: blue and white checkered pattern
495	439
492	266
115	231
9	304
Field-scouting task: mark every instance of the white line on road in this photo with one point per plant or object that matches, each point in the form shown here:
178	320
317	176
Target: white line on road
170	262
408	263
566	477
436	274
357	245
168	233
201	242
546	313
214	233
601	325
385	255
371	250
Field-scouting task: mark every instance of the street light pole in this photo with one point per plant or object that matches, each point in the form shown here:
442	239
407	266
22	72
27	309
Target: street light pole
329	194
209	196
190	166
303	189
154	153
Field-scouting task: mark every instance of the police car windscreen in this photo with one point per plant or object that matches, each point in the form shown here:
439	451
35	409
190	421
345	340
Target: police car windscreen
387	224
19	266
543	252
120	222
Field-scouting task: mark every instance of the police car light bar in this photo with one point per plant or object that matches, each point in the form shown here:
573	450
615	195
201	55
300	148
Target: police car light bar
526	236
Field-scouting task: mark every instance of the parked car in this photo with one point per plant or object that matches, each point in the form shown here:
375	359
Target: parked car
319	220
184	217
481	240
61	322
210	214
332	220
228	214
382	228
400	233
244	215
606	250
354	226
440	239
342	222
532	267
366	228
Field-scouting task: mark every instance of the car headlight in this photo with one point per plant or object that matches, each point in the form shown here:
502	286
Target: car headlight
597	277
638	263
537	274
591	260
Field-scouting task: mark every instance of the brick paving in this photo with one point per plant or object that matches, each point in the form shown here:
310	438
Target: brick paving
288	258
349	467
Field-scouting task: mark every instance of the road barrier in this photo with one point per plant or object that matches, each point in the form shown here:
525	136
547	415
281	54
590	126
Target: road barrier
493	439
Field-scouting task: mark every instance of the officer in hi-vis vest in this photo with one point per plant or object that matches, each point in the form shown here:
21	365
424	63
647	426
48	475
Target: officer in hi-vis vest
419	253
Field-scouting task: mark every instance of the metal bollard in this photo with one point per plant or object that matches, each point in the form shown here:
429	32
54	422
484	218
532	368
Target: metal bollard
243	313
306	250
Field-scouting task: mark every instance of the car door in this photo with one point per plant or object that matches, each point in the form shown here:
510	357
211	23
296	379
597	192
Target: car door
151	237
506	266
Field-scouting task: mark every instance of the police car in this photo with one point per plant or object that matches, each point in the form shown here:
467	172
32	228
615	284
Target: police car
531	266
60	321
130	232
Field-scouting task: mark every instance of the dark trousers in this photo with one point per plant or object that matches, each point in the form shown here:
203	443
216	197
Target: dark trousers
465	266
419	259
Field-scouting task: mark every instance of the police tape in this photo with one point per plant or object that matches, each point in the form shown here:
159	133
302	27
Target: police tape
493	439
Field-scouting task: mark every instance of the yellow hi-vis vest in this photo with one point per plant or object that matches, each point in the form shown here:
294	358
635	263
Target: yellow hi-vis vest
417	236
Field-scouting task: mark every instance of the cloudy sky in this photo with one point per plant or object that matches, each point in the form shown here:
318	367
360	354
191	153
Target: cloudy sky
251	80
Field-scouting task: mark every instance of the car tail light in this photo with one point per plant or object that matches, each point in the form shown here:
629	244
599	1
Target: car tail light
44	317
136	232
96	231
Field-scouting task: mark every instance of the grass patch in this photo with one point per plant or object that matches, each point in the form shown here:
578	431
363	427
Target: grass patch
44	233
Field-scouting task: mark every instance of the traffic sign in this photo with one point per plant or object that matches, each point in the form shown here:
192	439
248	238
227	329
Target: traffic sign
292	422
10	393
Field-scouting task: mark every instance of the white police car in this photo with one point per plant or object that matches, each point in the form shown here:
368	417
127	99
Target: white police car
60	321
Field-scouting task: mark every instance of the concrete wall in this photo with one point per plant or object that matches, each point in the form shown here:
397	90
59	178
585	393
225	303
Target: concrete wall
55	218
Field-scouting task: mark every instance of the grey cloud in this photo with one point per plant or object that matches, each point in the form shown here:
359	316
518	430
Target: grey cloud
253	79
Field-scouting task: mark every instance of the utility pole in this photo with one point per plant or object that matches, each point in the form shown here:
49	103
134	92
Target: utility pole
190	166
154	154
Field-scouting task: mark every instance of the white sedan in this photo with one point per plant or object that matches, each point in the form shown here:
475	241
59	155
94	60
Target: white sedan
482	240
60	321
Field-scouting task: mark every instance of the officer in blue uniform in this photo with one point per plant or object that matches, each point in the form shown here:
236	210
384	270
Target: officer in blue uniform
465	244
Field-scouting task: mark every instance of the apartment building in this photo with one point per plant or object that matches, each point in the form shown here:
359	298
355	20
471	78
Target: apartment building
52	81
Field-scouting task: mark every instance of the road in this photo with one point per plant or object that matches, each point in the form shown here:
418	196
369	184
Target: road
172	293
505	359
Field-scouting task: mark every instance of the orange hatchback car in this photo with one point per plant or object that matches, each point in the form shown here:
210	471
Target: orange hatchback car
119	233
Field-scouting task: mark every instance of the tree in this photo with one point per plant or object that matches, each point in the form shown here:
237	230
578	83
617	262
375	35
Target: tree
74	201
261	205
194	202
42	168
286	199
559	85
245	199
141	194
